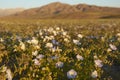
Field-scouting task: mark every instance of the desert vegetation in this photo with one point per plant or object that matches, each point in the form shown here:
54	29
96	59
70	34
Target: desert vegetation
60	49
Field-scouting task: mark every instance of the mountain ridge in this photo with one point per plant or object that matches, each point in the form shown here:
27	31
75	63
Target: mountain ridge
63	10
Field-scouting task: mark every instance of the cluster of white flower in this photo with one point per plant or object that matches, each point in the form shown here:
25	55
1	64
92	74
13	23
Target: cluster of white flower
99	64
55	46
38	57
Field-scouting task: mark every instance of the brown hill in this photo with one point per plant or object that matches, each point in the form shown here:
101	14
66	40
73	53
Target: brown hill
62	10
6	12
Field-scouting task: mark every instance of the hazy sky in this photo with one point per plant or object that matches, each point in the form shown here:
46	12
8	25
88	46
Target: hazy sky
38	3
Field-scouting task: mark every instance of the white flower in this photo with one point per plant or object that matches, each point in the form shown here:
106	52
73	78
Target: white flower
62	29
71	74
58	28
45	39
109	50
1	40
22	46
95	57
94	74
35	53
98	63
118	39
113	47
79	57
8	74
40	33
50	29
40	56
49	45
59	64
36	62
43	68
76	42
66	40
36	46
64	33
58	49
55	33
29	41
67	36
42	37
51	37
103	38
53	49
34	41
80	35
118	34
48	38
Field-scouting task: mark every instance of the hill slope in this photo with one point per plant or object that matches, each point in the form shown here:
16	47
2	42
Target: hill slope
6	12
62	10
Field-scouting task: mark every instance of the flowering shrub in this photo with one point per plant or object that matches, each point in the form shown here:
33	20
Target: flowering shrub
57	53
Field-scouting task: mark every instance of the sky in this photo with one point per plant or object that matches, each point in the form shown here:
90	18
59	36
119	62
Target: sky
37	3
